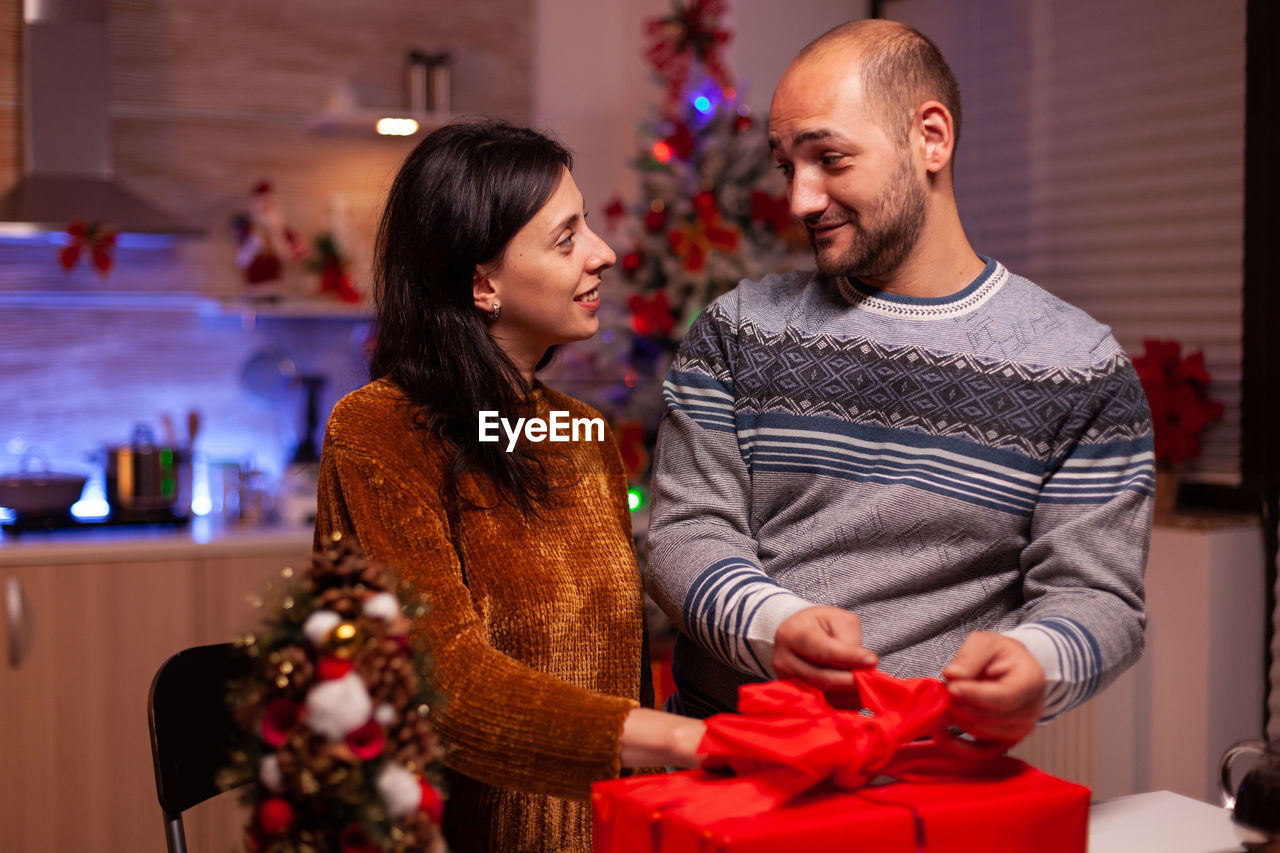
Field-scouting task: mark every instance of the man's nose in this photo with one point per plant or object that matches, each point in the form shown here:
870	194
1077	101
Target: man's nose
807	195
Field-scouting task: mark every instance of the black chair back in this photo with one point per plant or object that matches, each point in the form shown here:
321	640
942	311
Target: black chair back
192	729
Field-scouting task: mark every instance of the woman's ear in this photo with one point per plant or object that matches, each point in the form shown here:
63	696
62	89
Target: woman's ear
483	291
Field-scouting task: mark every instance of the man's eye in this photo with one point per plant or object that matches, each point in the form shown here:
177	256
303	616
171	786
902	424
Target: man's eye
832	159
784	168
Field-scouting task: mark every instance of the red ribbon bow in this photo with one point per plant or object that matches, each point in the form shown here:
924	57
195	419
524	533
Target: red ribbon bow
787	739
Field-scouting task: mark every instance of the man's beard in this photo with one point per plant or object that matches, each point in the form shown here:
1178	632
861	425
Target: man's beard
879	246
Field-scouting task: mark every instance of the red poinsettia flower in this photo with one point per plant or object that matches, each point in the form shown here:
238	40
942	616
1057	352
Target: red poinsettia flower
1178	392
692	32
367	741
97	239
279	719
692	241
651	317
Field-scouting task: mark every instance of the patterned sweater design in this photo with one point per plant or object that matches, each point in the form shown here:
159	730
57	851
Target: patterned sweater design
981	461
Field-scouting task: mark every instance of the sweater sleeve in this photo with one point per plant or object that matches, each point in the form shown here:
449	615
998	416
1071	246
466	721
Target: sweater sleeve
508	725
703	569
1090	531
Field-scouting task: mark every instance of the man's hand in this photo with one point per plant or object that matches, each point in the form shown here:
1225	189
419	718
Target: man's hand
996	686
820	645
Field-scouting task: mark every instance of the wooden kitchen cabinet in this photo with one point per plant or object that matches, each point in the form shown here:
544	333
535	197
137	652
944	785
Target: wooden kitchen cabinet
74	743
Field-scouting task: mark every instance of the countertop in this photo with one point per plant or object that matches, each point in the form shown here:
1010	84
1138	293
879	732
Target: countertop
120	544
1160	822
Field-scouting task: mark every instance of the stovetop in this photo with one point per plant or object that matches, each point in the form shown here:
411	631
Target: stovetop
63	522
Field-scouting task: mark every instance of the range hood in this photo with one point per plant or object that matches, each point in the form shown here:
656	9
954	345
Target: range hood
67	130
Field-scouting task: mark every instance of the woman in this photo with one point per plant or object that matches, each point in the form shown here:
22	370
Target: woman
484	264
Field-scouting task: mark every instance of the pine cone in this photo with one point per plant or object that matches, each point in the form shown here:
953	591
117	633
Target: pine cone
342	600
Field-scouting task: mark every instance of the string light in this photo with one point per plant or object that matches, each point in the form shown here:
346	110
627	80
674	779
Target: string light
702	104
635	498
662	152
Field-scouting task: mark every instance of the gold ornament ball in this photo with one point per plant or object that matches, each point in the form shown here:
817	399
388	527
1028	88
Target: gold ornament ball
343	640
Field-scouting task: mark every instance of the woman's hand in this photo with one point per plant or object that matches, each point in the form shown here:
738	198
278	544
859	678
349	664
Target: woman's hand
657	739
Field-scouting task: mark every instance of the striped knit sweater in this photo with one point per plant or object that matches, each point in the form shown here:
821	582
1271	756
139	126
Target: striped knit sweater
980	461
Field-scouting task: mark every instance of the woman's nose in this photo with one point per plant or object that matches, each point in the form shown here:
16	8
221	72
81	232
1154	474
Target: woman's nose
602	257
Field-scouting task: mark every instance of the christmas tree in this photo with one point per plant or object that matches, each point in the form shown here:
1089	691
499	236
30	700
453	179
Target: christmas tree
711	212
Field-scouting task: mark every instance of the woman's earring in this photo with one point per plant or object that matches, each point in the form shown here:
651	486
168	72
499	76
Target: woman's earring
493	315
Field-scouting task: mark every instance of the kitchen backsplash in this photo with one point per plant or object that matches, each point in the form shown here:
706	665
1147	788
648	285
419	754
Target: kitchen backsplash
205	103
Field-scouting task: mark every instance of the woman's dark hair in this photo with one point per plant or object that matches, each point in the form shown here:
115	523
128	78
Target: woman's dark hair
459	198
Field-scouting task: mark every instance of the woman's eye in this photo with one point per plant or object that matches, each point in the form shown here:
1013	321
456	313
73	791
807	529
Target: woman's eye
784	168
567	242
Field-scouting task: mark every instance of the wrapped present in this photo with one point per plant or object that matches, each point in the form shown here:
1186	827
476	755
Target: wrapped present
810	776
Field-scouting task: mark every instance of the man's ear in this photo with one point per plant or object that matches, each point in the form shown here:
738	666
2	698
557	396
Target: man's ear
483	291
937	138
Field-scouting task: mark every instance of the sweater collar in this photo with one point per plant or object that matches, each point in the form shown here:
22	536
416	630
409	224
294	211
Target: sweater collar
968	298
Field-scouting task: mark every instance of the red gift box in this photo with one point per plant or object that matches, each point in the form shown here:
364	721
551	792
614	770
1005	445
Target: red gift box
803	772
1017	810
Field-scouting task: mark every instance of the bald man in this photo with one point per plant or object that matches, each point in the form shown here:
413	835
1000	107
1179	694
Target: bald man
910	456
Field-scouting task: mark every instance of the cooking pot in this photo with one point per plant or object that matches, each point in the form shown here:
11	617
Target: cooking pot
144	477
39	493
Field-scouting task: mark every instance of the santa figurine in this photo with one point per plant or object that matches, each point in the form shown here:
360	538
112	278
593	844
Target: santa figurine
266	244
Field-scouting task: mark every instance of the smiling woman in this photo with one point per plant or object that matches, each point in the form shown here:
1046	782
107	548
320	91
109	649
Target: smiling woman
523	546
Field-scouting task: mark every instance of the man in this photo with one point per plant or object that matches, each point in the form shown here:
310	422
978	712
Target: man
912	456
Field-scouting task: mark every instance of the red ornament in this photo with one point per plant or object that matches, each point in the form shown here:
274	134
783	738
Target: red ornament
651	317
275	816
367	741
614	211
279	719
330	668
681	142
432	803
655	220
355	840
742	123
631	262
774	212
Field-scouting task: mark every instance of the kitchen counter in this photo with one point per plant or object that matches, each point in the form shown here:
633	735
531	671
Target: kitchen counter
203	538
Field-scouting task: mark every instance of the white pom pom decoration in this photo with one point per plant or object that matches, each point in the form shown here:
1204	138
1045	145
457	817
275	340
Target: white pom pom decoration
319	624
385	715
383	606
401	791
269	773
338	707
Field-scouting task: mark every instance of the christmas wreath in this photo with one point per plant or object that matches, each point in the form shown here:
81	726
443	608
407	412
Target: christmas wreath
333	721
